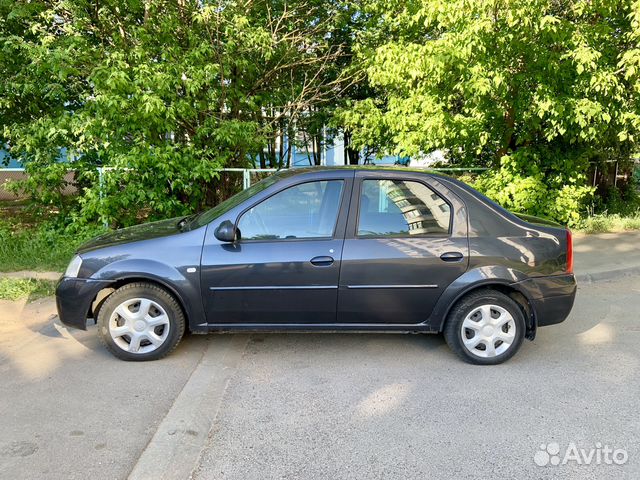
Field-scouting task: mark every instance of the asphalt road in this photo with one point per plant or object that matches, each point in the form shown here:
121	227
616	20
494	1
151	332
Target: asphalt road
68	409
319	406
338	406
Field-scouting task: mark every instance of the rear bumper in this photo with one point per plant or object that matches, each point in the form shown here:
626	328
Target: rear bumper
74	297
551	297
552	310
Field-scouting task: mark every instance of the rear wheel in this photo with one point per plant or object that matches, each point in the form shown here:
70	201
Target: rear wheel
140	321
485	328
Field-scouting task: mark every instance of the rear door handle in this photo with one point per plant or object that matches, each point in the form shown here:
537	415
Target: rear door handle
451	256
322	261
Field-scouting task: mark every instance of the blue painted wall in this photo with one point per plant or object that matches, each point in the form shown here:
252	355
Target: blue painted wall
4	157
333	155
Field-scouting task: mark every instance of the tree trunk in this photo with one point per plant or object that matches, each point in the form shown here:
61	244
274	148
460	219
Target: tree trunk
317	151
289	144
508	140
281	149
351	155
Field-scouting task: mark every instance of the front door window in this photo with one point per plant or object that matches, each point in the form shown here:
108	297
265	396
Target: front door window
308	210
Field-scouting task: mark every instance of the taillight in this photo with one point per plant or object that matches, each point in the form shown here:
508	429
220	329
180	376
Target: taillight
569	252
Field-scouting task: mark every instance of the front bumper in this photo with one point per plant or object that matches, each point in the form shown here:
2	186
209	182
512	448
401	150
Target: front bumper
74	297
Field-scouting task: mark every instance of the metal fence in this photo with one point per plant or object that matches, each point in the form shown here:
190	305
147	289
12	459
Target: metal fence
8	175
248	177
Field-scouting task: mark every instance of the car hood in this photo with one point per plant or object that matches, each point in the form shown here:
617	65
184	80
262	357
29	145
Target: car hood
537	220
145	231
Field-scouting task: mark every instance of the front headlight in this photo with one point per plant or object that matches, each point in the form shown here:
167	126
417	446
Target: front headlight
74	267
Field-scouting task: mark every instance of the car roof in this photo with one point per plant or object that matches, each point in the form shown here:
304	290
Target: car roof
361	168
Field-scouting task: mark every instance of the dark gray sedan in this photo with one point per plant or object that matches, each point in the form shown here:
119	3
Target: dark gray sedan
332	249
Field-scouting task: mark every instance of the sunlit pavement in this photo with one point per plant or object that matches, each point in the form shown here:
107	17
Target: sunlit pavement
68	409
330	405
606	255
398	406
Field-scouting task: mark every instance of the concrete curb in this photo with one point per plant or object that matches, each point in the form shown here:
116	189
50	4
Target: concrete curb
607	275
54	276
175	449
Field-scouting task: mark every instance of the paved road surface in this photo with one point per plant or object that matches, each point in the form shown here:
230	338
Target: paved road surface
68	409
335	406
393	406
605	255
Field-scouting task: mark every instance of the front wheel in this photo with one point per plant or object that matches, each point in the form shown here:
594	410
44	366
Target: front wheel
485	328
140	321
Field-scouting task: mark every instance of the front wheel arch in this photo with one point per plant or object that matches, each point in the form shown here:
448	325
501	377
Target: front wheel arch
105	293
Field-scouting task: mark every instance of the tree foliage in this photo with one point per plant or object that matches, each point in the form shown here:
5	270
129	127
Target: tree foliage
161	92
535	89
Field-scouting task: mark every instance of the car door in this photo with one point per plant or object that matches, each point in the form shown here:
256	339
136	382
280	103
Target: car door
406	241
285	267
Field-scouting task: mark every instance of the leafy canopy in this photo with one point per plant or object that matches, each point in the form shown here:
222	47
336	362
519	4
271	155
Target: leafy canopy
535	89
164	93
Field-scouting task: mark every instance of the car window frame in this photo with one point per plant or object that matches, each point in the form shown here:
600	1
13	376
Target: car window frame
358	197
334	235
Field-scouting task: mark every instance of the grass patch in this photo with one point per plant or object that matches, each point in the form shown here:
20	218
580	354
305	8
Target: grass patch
39	247
17	288
610	223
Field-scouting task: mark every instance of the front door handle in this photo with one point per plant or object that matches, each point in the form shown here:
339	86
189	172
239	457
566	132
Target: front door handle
322	261
451	256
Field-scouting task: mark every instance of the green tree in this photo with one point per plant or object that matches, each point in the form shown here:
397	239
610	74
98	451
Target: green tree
535	89
162	92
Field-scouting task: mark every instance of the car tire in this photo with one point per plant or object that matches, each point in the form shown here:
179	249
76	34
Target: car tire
140	322
482	319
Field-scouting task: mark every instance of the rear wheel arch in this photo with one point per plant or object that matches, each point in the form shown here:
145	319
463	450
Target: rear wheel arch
520	297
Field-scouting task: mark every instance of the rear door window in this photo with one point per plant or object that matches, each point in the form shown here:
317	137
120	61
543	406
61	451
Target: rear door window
401	208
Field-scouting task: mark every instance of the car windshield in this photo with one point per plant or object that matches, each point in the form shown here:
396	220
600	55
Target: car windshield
210	215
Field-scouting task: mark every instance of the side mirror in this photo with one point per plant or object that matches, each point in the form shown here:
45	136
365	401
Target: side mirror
226	232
